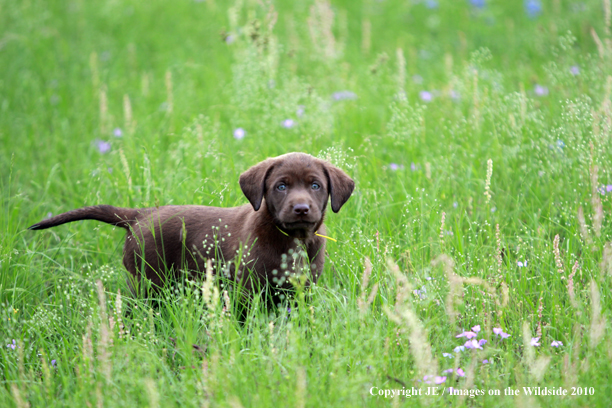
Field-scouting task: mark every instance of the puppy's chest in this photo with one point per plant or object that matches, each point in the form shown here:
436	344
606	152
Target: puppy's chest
283	266
236	254
276	262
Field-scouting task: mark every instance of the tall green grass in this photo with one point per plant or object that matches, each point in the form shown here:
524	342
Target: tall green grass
479	140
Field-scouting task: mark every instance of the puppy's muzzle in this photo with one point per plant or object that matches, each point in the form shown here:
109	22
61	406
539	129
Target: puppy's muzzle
301	209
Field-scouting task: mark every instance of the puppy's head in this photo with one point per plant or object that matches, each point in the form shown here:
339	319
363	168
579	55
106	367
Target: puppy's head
296	187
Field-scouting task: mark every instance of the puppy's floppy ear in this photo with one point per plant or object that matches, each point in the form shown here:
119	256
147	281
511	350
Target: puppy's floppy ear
341	186
253	182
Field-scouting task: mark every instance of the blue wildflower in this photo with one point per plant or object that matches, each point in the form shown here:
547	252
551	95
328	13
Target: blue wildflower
540	90
239	134
344	95
103	146
478	3
426	96
533	8
288	123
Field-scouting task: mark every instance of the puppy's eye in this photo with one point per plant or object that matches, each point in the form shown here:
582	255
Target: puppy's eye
315	186
281	187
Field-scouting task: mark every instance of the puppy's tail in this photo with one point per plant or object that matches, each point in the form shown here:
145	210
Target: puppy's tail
119	217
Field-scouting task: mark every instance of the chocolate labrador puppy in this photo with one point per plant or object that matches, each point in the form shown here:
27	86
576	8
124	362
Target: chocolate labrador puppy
276	239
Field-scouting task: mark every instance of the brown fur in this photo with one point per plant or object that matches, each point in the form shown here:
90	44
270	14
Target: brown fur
271	235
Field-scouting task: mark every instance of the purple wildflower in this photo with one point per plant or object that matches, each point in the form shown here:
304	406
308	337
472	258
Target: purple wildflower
540	90
482	342
459	349
499	332
117	132
239	134
422	293
229	39
455	204
426	96
288	123
13	345
473	344
413	166
467	334
426	379
103	147
54	363
608	188
522	264
450	370
439	380
533	8
556	343
534	341
300	111
476	328
575	70
460	372
344	95
485	361
394	166
447	355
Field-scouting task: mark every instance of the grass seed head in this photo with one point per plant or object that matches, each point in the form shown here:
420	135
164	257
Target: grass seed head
487	192
598	322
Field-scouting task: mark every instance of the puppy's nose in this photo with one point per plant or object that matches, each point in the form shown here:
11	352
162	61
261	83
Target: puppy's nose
301	209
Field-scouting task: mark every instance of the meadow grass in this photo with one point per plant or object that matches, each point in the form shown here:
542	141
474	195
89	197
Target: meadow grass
478	135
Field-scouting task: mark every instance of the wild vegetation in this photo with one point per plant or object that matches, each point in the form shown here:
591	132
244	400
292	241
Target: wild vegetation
475	255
